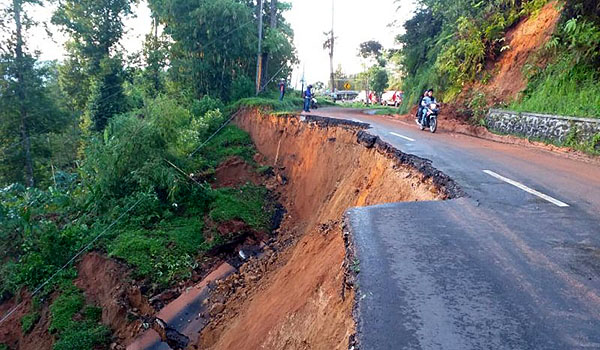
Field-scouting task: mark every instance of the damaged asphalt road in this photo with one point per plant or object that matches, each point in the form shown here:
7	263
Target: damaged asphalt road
514	264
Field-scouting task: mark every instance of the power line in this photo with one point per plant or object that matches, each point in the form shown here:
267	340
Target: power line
227	34
213	135
81	251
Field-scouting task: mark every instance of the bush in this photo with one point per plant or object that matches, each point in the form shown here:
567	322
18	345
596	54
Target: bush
242	87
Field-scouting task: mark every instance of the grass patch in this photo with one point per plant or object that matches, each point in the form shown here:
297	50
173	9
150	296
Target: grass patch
76	325
163	254
231	141
248	203
563	88
387	111
29	321
289	104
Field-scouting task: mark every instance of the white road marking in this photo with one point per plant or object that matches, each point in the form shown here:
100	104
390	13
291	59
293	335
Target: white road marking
402	136
527	189
356	120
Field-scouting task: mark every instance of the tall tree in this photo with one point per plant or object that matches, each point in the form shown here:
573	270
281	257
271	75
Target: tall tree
25	109
213	47
95	28
155	53
20	75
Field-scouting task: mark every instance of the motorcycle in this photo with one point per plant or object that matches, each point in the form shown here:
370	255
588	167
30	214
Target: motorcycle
431	116
314	104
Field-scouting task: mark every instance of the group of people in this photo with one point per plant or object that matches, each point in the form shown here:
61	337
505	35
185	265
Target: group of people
424	106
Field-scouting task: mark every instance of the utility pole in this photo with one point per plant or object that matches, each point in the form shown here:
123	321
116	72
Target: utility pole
259	54
303	80
332	77
265	56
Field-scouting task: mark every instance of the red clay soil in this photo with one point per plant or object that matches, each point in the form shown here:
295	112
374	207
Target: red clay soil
105	283
300	303
235	172
524	40
11	333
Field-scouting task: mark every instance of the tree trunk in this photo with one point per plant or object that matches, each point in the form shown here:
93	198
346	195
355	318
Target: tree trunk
20	64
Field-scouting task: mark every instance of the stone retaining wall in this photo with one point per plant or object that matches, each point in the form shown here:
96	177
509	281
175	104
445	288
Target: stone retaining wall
542	126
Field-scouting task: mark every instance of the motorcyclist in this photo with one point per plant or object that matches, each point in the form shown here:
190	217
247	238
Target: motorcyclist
428	99
419	107
307	98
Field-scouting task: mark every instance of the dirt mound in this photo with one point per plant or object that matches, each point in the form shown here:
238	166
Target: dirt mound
235	172
523	40
105	283
298	300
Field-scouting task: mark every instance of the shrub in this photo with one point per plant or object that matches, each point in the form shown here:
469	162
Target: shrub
242	87
200	107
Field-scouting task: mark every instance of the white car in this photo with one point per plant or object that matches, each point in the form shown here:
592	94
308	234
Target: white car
362	97
392	98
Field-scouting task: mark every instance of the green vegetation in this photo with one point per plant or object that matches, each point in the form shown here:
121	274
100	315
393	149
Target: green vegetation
97	150
29	321
247	203
385	110
76	325
568	84
289	104
447	45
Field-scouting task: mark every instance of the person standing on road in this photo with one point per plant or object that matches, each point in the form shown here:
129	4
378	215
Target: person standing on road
281	89
307	98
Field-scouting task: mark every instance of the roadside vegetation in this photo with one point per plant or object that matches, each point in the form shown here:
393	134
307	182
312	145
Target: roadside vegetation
447	45
108	153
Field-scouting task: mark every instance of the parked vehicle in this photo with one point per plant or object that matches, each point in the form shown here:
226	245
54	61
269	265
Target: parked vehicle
344	95
314	104
362	97
392	98
431	116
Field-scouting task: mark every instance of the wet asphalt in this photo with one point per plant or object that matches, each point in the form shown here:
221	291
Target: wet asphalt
500	268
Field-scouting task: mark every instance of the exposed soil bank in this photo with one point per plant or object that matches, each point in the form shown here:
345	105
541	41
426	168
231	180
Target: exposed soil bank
302	300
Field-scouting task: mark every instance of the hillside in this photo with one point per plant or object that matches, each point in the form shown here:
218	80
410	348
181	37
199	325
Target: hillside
536	56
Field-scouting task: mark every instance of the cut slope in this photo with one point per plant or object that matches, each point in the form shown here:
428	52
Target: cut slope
523	40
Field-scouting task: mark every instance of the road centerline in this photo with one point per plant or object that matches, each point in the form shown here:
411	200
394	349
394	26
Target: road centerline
402	136
526	189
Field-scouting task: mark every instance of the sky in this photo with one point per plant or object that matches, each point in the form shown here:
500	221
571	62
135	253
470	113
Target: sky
355	21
